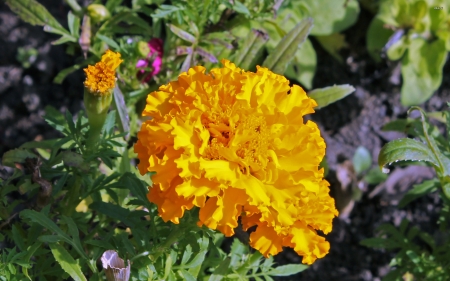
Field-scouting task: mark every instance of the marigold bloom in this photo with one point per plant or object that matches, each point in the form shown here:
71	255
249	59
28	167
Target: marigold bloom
234	144
101	77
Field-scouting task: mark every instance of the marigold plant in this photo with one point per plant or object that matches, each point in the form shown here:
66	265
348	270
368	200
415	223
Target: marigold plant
101	77
234	144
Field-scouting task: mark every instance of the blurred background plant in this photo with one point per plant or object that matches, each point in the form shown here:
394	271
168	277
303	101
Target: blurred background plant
417	34
420	255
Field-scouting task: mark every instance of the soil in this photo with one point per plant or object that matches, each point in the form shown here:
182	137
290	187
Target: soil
352	122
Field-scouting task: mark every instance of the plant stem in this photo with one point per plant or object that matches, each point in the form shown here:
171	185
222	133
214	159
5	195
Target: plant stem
72	197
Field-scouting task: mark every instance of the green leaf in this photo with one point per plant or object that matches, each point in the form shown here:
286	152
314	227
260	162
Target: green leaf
240	8
67	262
59	78
331	18
376	38
380	243
422	70
17	155
34	13
303	67
74	24
289	269
121	108
329	95
418	191
443	169
43	220
113	211
186	275
251	49
63	39
27	257
220	272
397	50
108	41
73	159
333	43
45	144
284	52
135	185
414	258
49	238
375	176
110	121
362	160
403	150
182	34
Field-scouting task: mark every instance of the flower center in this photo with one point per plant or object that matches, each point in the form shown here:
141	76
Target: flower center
246	137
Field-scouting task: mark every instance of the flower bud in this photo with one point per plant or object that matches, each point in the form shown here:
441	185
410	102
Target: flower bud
98	13
114	267
143	49
99	86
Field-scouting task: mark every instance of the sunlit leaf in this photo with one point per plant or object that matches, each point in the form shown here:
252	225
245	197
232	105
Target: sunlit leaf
405	149
329	95
67	262
284	52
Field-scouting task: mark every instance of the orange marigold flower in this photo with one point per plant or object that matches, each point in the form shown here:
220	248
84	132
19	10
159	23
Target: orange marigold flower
234	144
101	77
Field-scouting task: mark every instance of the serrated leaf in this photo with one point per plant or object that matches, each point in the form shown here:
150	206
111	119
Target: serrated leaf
113	211
34	13
220	272
286	270
362	160
418	191
135	185
403	150
182	34
329	95
67	262
197	260
284	52
17	155
186	275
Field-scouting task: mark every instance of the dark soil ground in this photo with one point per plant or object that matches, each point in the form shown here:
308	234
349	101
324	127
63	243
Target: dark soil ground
352	122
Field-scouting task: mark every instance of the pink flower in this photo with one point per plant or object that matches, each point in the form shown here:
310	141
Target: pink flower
154	57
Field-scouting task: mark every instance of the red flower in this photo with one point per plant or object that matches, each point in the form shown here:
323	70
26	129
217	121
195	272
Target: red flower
154	58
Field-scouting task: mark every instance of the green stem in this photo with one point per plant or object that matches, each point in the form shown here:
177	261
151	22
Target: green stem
97	110
72	198
75	7
173	237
